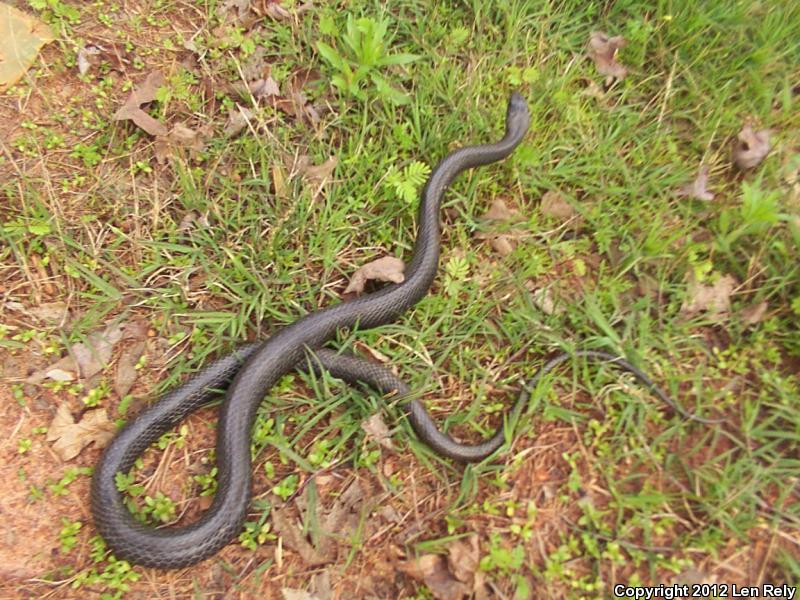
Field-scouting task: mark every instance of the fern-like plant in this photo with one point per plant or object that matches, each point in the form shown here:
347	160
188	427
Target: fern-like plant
406	183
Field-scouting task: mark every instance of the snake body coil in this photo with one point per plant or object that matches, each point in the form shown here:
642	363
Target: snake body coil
264	364
255	367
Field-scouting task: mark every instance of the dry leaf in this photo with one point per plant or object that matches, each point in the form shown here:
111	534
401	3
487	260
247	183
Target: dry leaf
554	205
126	368
499	211
181	136
293	594
143	94
697	189
431	569
342	520
277	12
463	557
294	538
387	268
87	57
753	314
264	87
320	175
21	37
376	429
751	147
71	437
544	300
603	51
85	358
714	299
502	244
238	119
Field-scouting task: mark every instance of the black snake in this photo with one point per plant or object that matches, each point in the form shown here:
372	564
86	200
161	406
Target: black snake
256	367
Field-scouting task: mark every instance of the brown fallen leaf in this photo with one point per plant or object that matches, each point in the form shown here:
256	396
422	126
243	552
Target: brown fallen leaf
751	147
180	136
387	268
750	315
87	57
293	538
264	87
294	594
603	51
126	368
21	37
320	175
376	429
462	558
431	569
71	437
499	211
544	300
554	205
697	188
238	119
341	521
143	94
714	299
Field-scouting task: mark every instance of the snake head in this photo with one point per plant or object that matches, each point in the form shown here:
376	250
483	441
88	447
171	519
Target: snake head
518	117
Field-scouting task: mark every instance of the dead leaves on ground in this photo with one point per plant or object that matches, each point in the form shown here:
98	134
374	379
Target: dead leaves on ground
751	147
497	220
387	268
86	359
71	437
713	299
697	189
141	95
21	37
453	577
603	51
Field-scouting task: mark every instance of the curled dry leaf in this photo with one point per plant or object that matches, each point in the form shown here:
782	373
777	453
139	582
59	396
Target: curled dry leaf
320	175
71	437
500	212
181	136
143	94
554	205
87	56
264	87
376	429
21	37
431	569
754	313
238	119
603	51
462	558
713	299
126	368
697	189
293	538
294	594
751	147
387	268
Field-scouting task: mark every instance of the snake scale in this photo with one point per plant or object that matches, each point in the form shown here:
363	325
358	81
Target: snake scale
252	369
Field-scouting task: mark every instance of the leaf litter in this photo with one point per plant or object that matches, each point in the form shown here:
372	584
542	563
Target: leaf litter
714	299
498	217
387	268
21	37
453	577
751	147
71	438
603	51
141	95
697	189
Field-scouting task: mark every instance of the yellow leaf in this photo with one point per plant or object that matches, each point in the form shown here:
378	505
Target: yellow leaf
21	36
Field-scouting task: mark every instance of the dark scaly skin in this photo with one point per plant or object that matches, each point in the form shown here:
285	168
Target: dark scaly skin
255	367
265	363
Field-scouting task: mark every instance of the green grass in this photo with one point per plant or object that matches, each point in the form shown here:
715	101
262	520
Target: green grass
673	493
